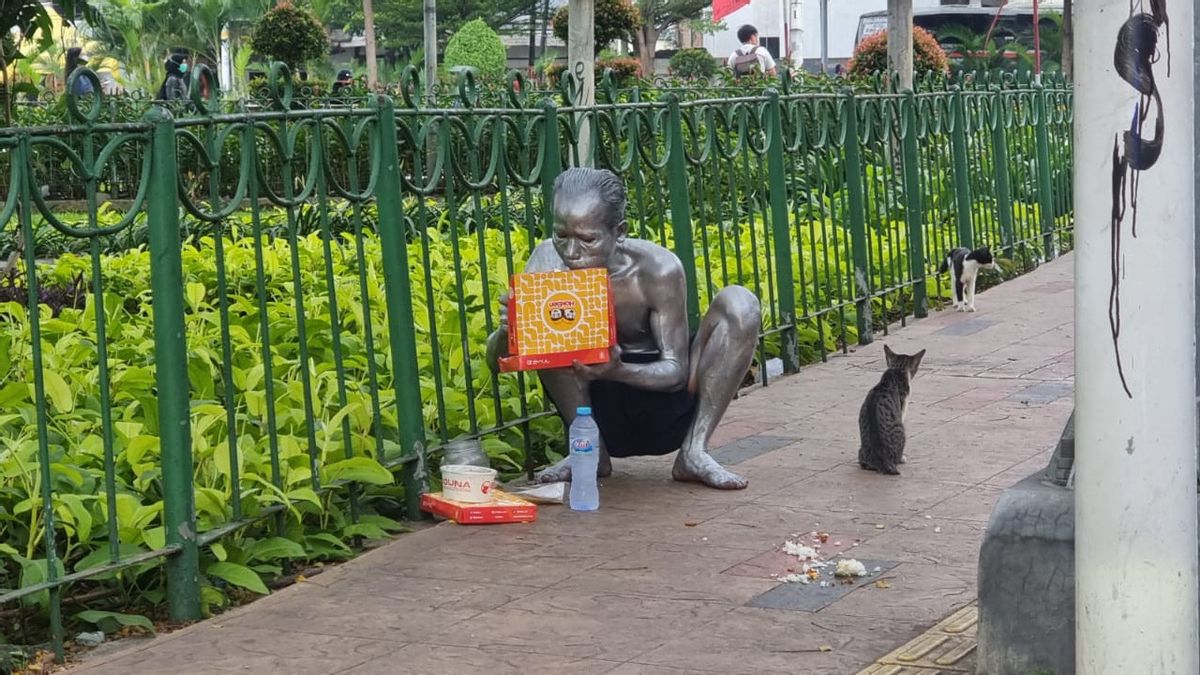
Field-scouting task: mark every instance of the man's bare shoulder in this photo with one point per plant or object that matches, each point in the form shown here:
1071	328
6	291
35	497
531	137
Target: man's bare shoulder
655	263
544	258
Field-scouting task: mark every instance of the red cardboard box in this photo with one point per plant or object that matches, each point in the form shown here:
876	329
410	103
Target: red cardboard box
556	318
504	508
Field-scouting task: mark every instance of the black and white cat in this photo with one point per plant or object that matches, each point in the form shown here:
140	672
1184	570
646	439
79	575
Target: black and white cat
966	265
881	418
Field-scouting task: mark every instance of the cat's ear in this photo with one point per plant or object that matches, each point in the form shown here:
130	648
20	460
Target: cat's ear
916	359
889	355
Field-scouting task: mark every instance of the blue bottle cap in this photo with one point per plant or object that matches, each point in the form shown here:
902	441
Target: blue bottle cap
583	410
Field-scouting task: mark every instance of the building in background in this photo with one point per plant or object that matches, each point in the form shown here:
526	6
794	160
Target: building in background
791	29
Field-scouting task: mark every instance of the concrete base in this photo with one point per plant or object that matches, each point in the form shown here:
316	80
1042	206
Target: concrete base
1027	573
1027	582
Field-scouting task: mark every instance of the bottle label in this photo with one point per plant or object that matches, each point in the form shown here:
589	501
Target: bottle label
581	445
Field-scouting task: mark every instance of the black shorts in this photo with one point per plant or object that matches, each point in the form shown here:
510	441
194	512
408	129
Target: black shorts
636	422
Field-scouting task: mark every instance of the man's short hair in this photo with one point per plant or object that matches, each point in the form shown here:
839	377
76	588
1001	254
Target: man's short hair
746	32
602	184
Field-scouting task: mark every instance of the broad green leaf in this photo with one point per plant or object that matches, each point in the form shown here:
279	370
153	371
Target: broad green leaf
304	495
218	550
101	557
111	622
155	537
57	391
384	523
275	548
80	514
365	530
195	295
358	469
238	575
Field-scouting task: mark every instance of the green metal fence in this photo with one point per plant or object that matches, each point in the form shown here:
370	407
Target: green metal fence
295	301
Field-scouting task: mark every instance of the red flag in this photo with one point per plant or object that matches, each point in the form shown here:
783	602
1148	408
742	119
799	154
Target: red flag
723	8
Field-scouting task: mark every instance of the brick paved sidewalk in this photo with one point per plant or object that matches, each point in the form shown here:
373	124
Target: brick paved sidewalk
672	578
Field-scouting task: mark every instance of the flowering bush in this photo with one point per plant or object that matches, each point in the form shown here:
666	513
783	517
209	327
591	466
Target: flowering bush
871	55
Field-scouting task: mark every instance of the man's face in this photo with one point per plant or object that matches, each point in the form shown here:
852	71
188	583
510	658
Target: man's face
581	237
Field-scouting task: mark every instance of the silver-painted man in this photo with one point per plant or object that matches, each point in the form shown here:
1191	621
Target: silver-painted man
663	389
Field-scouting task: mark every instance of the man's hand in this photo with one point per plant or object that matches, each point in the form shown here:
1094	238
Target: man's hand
497	342
502	327
600	371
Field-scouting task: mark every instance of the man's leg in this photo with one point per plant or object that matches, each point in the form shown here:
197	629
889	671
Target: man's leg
567	393
720	357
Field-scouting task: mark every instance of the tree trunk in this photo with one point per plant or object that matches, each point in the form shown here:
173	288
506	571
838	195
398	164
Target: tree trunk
900	42
533	26
645	40
1068	39
369	36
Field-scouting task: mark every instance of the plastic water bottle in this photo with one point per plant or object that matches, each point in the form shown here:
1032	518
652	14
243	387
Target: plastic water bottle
585	459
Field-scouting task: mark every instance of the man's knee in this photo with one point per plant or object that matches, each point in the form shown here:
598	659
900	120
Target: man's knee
739	308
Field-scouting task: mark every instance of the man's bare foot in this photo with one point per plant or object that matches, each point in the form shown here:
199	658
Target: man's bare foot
700	467
561	471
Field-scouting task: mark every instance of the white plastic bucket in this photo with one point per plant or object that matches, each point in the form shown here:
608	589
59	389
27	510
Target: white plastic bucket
466	483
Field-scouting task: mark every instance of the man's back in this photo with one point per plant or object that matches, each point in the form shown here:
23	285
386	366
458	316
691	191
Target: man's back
751	59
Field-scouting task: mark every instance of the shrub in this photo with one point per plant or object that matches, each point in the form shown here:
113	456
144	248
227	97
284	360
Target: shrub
615	19
624	68
289	34
693	64
478	46
871	56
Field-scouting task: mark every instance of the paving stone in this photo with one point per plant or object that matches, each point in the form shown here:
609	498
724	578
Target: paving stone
967	327
749	448
813	596
1044	392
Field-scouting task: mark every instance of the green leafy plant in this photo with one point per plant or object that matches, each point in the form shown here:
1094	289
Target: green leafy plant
289	34
614	20
693	64
871	55
477	46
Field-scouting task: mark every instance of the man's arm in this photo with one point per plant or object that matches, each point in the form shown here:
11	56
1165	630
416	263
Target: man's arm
666	292
543	259
768	62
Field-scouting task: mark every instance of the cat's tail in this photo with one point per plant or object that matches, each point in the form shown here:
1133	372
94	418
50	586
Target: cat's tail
945	266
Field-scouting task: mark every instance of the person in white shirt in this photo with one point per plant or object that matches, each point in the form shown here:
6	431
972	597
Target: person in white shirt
740	60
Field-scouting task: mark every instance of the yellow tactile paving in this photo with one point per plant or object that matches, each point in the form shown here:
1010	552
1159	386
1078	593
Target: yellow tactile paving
948	647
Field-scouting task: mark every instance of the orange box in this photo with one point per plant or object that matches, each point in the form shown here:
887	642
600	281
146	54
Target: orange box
555	318
504	508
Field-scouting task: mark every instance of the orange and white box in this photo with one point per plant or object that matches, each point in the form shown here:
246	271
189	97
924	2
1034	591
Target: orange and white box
556	318
502	508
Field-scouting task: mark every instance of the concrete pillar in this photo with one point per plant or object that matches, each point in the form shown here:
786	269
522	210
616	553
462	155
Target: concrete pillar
900	40
225	66
825	37
1136	564
581	58
429	11
1196	206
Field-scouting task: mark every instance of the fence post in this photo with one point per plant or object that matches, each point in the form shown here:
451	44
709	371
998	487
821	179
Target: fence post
781	237
551	165
1000	167
914	204
170	370
962	175
858	222
681	209
398	296
1045	191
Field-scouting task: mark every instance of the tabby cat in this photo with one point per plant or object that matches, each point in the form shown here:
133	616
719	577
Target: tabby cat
881	419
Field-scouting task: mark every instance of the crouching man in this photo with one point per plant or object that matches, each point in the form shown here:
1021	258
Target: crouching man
662	390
